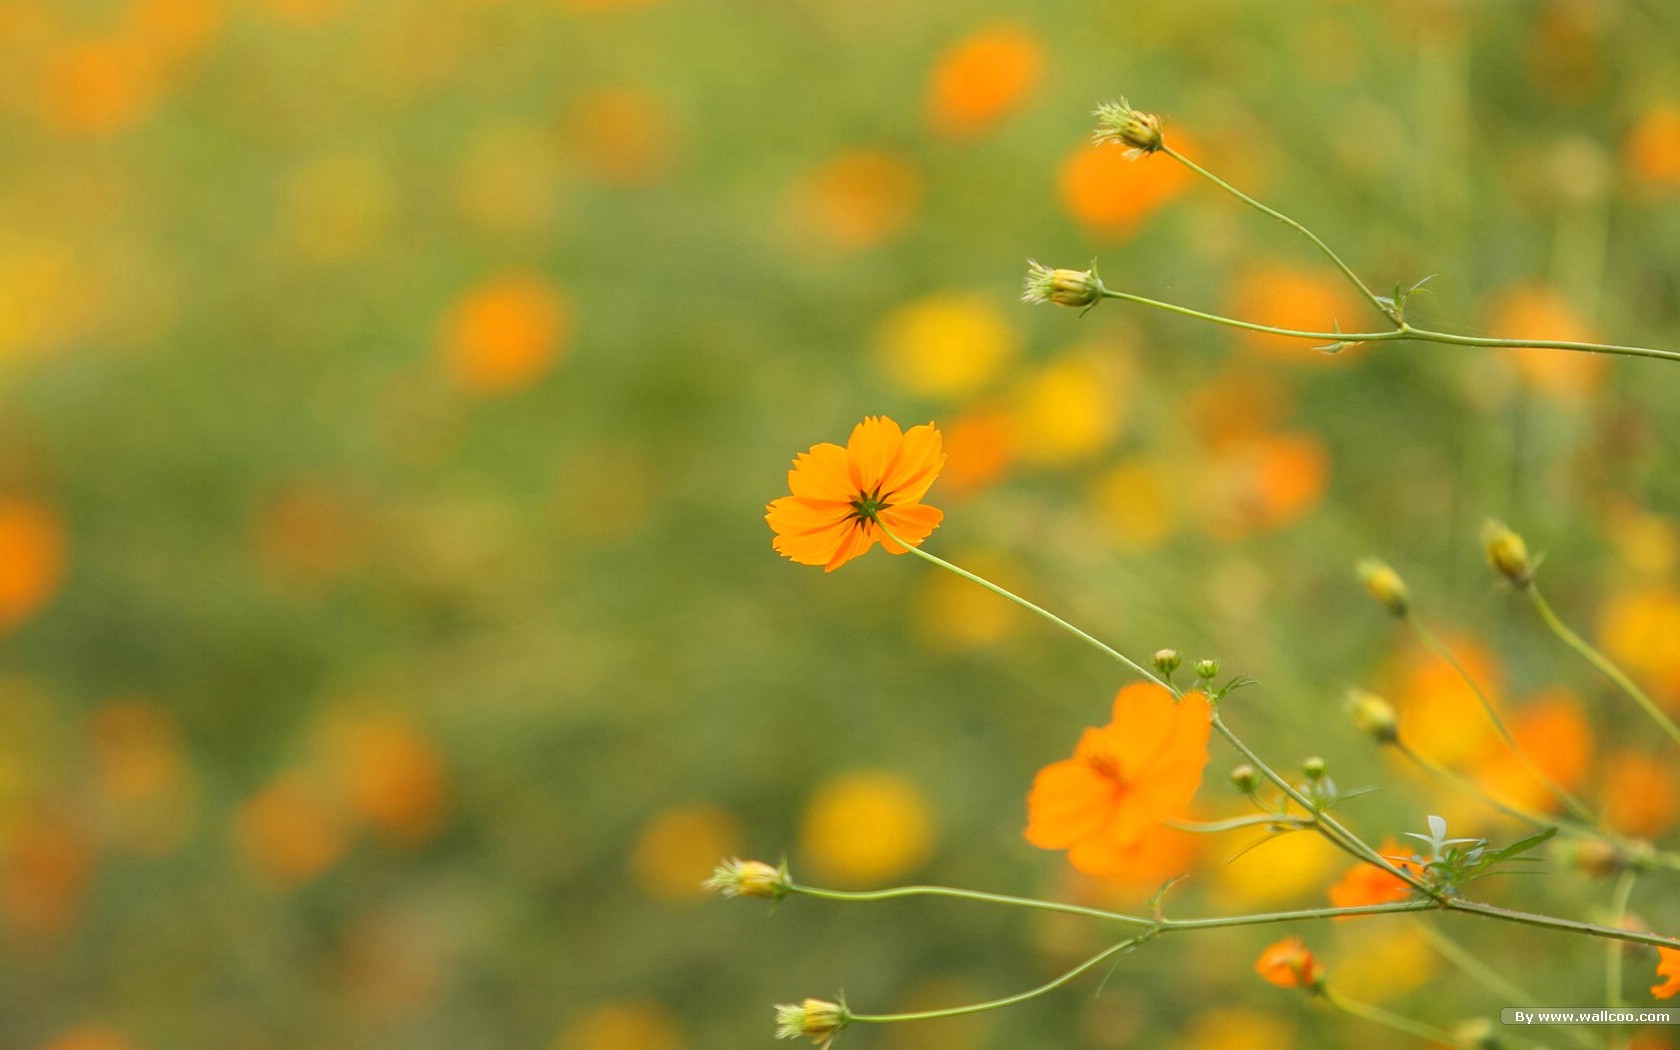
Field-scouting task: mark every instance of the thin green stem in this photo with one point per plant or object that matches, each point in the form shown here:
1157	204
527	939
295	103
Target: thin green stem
1164	925
1045	613
1210	827
1387	1019
1488	977
1619	898
1600	661
970	895
1332	829
1435	645
1008	1000
1347	271
1404	332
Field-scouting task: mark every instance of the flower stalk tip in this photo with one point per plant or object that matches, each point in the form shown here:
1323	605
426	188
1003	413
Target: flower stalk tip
1385	585
1507	553
1119	123
749	878
1081	289
816	1019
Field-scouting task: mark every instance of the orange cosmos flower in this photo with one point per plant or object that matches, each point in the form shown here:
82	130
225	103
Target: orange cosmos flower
1123	780
1368	884
846	500
1668	965
1288	964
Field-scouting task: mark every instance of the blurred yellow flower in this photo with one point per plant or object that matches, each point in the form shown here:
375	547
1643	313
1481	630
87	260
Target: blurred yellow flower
1289	868
1237	1028
505	179
1137	502
338	206
1638	628
624	1025
505	333
983	78
1072	408
866	827
946	344
952	613
858	199
1383	963
679	847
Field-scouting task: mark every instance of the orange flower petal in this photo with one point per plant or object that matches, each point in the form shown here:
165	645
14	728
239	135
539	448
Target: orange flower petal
856	542
873	445
1068	802
1668	965
822	473
912	523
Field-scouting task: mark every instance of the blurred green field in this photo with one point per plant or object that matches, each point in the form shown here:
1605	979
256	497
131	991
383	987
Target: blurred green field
390	394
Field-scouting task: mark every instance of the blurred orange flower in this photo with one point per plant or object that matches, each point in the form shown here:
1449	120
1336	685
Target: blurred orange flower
1290	297
1110	194
1368	884
1288	964
843	498
32	547
983	78
1553	731
1641	793
1653	146
1538	311
1123	780
504	334
1668	965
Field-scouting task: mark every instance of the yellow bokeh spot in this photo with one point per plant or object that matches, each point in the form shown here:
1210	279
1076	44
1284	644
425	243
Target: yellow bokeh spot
505	183
1072	408
946	344
1639	629
338	206
1646	543
952	613
1238	1028
1290	867
678	849
629	1025
1137	501
1382	964
865	827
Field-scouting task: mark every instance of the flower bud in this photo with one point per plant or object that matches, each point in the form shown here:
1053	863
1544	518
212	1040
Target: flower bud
1077	288
1476	1033
1385	585
1245	779
1507	553
749	878
1592	857
1118	122
1207	668
1167	661
817	1019
1313	768
1289	964
1374	716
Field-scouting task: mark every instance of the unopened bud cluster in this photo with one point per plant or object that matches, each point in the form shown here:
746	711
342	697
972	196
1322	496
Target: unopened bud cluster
1118	122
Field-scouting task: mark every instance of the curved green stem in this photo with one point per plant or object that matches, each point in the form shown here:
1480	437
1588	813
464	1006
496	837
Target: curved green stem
1619	899
1387	1019
1008	1000
1434	644
1347	271
1403	332
1332	829
1210	827
1045	613
1600	661
971	895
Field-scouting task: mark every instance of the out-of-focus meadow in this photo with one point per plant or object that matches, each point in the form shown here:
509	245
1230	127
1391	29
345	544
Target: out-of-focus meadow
390	638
